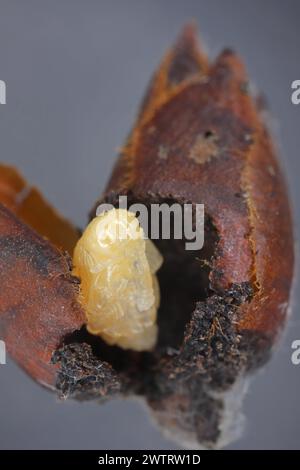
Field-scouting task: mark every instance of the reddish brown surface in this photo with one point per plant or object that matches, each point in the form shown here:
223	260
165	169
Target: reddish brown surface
38	296
200	138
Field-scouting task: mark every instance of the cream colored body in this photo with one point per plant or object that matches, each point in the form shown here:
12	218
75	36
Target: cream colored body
119	288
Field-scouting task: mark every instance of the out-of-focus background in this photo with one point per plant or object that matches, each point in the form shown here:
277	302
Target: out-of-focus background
75	73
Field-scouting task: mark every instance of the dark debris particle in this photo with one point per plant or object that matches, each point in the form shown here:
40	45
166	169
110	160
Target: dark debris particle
82	375
209	135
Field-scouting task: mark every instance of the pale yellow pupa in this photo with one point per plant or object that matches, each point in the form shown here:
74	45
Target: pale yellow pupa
119	288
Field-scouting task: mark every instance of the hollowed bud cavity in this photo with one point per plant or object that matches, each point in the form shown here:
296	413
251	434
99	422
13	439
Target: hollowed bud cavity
119	288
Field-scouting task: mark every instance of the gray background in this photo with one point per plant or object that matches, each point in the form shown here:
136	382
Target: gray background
75	73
